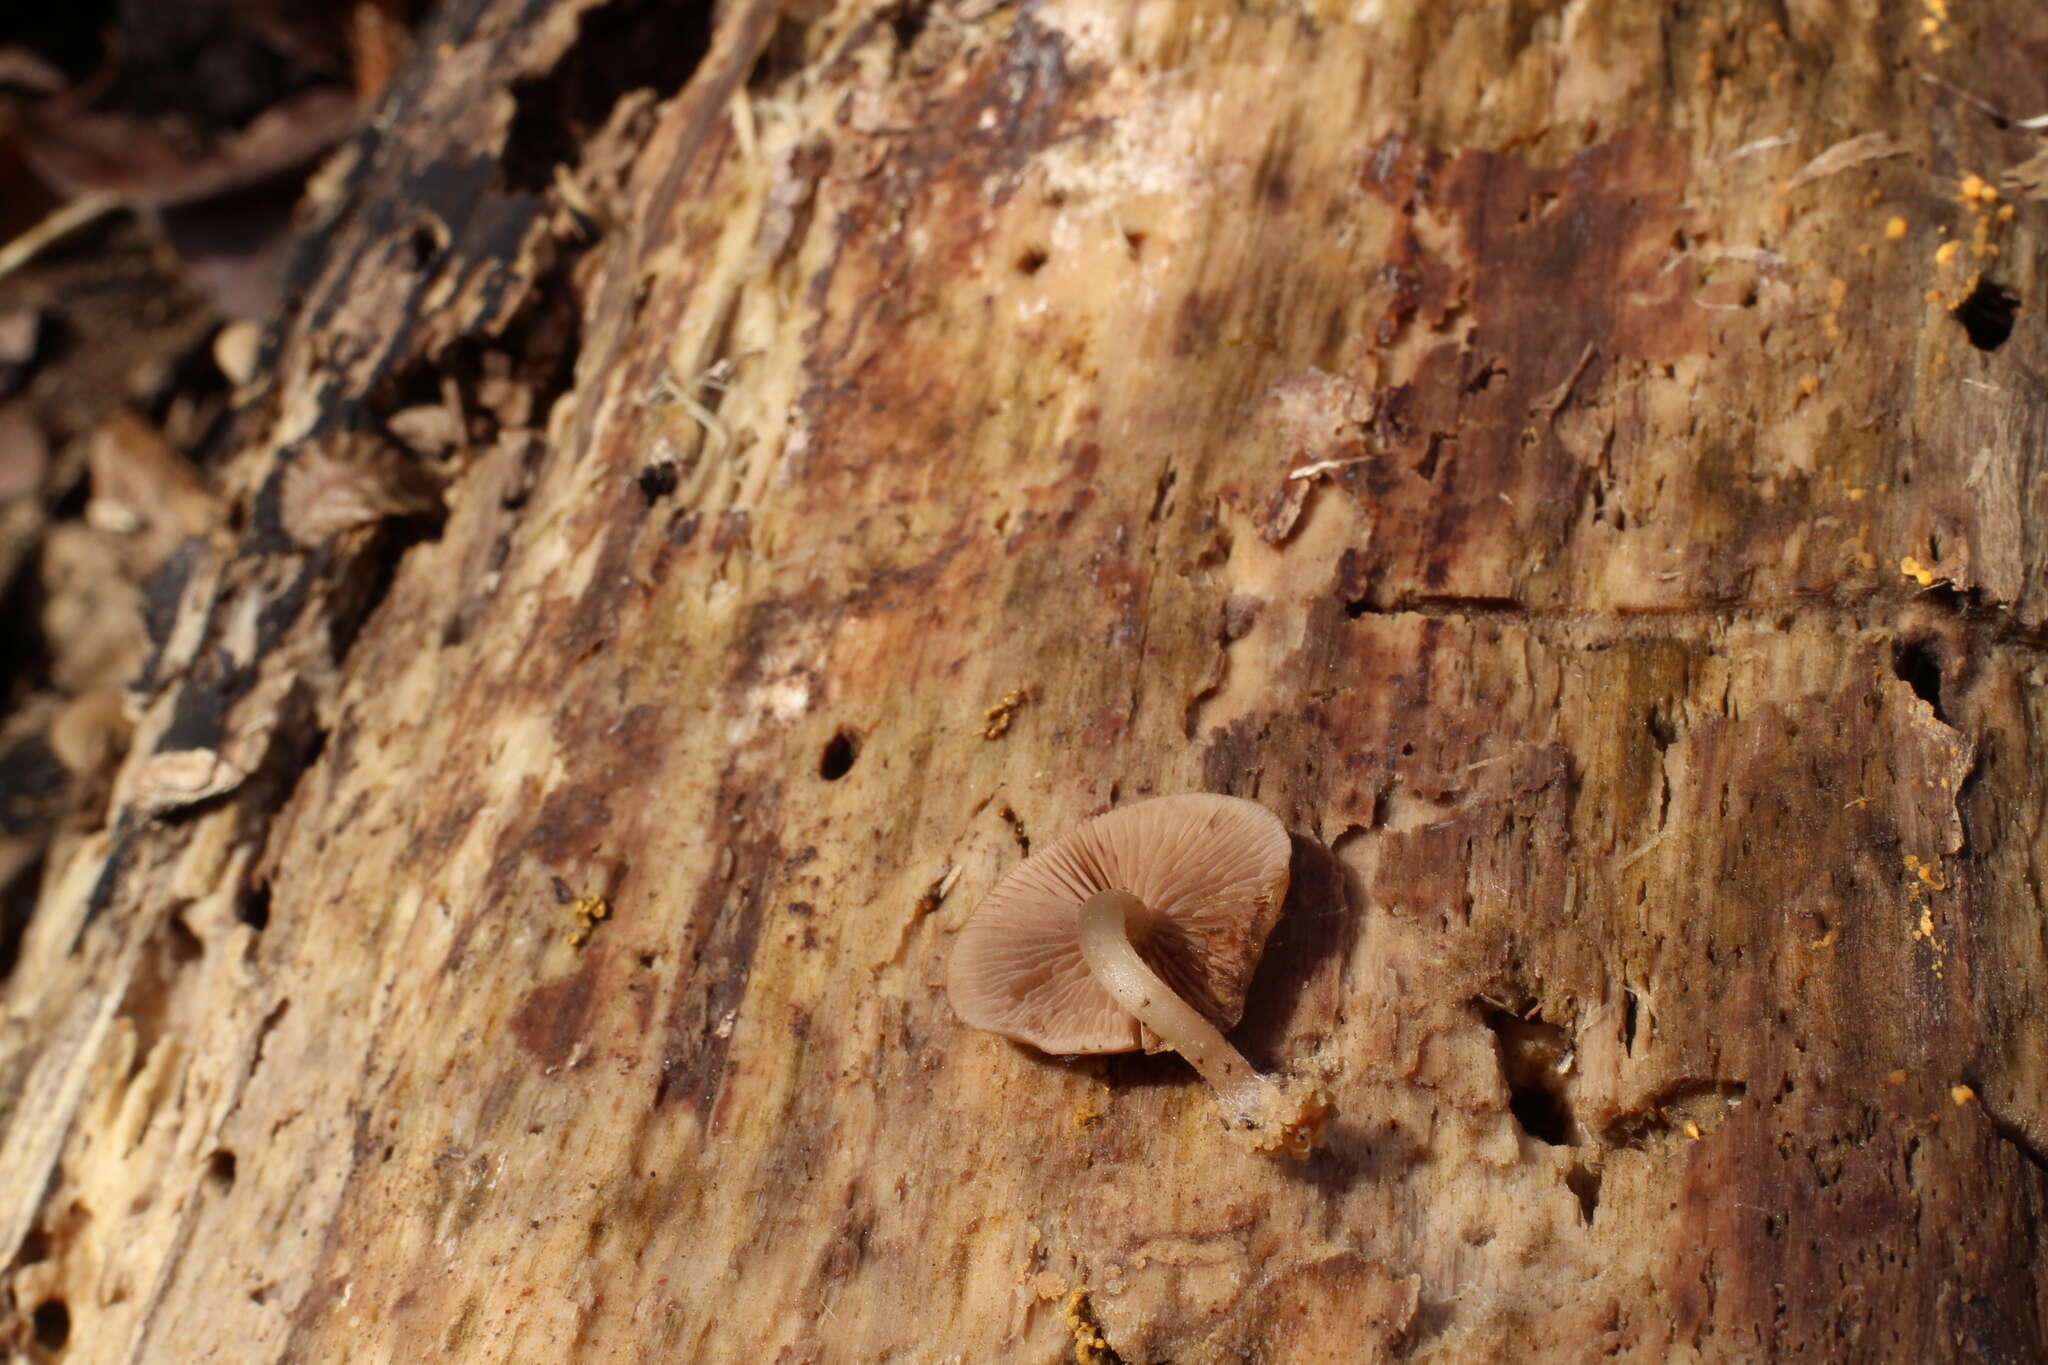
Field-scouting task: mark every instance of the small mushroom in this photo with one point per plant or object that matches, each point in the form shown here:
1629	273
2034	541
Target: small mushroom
1142	928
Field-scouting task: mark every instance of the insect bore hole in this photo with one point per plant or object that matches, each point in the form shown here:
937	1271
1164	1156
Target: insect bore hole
837	760
52	1324
1987	314
1917	663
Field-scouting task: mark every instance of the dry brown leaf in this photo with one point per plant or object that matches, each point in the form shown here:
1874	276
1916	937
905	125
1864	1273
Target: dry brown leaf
155	164
144	488
24	70
90	730
24	454
20	331
323	493
91	613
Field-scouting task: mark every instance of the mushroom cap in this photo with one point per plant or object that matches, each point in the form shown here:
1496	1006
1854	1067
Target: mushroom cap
1212	872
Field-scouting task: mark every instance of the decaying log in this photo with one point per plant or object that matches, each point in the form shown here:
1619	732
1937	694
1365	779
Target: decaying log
1580	466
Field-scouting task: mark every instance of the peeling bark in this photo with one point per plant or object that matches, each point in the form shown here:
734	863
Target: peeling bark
1509	442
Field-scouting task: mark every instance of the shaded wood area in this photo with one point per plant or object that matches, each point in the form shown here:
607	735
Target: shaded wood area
1579	465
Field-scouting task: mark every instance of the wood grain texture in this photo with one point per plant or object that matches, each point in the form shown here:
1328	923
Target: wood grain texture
1647	665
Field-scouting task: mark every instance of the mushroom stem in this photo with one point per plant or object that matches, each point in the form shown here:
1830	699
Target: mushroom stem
1106	945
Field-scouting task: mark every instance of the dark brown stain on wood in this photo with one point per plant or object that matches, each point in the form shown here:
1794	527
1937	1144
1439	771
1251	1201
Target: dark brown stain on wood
722	929
870	365
1552	266
551	1022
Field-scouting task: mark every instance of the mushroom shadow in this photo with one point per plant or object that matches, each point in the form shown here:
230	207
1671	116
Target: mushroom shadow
1148	1071
1121	1070
1296	987
1297	993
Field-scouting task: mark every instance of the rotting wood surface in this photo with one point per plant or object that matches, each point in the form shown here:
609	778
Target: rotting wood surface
523	938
